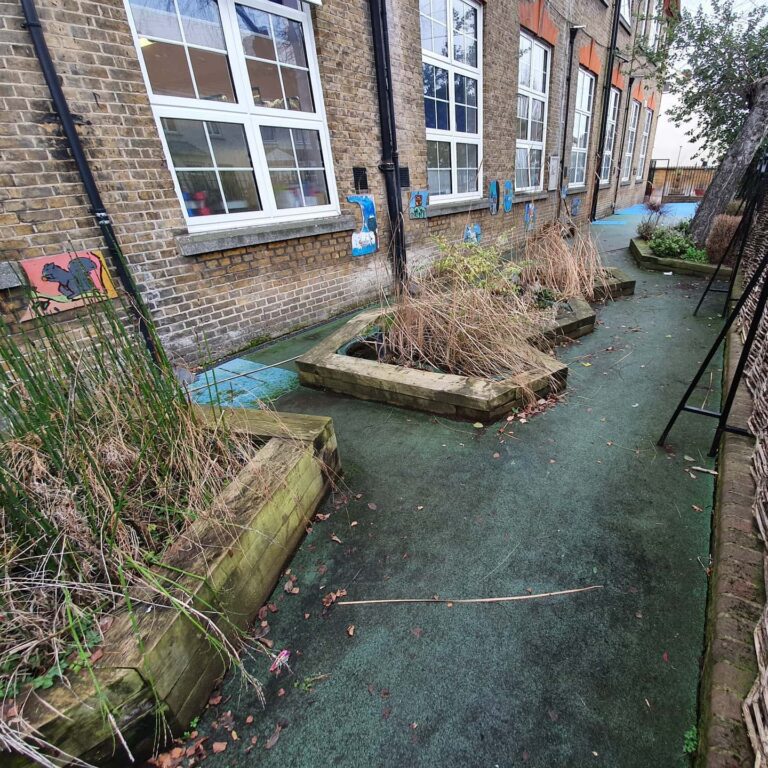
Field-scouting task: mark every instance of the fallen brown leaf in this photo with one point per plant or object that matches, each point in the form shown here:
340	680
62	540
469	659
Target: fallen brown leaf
335	538
218	746
351	630
272	740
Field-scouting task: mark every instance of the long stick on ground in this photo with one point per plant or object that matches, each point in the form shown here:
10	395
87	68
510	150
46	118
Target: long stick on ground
471	599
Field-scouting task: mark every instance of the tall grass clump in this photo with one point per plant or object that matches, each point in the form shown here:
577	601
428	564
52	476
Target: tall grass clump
103	463
565	266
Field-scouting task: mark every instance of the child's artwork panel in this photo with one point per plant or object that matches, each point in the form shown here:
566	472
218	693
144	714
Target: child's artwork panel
366	240
418	204
66	281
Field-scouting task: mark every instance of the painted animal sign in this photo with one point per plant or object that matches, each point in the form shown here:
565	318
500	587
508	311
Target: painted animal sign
530	216
493	197
417	208
472	233
509	196
365	241
66	281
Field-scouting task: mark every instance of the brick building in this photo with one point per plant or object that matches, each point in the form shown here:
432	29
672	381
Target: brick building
225	138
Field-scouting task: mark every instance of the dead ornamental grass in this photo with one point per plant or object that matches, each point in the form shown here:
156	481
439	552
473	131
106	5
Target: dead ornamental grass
720	236
567	266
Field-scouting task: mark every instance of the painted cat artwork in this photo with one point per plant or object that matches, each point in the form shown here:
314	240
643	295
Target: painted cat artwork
493	197
509	196
66	281
417	207
472	233
365	241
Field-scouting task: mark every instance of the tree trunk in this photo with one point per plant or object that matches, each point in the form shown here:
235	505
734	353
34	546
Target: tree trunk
736	161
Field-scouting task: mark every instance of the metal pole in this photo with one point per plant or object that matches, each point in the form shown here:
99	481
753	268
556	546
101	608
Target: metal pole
390	164
568	78
720	336
61	107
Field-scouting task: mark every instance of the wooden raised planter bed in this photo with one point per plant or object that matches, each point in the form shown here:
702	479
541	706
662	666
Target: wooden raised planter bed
641	250
464	397
235	565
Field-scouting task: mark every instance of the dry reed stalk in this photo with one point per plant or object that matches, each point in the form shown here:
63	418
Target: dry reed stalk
567	269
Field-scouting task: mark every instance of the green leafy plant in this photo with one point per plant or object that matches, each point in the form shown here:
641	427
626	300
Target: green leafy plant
684	226
691	741
669	243
695	255
103	464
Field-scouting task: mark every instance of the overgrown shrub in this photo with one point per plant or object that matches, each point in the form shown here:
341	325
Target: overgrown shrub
672	243
684	226
103	464
720	236
646	228
734	208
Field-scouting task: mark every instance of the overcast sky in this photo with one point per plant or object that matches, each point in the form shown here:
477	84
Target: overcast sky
671	142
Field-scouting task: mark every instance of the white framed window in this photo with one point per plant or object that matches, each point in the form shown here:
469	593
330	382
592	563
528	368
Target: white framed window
532	109
625	12
629	149
610	134
644	144
582	126
652	25
451	42
235	90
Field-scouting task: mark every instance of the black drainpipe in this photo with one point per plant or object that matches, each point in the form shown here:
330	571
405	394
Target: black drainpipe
32	24
563	167
606	104
390	165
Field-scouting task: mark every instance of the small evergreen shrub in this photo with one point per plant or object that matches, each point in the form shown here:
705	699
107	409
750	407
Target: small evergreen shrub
672	243
684	226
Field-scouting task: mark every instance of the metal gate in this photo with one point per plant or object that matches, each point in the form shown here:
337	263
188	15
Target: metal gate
682	184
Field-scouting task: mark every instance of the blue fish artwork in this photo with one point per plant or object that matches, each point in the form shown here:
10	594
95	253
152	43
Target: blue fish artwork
509	196
472	233
493	197
366	240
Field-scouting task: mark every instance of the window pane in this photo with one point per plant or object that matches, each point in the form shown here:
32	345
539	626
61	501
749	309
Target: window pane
167	69
295	4
522	118
212	76
445	183
459	89
255	33
428	77
315	188
433	182
443	154
441	83
521	168
470	153
535	158
462	181
524	66
240	191
202	196
426	33
440	11
202	23
287	189
537	120
572	168
298	91
471	91
431	154
442	115
461	155
278	147
229	147
461	119
289	41
308	151
430	113
540	59
471	120
187	143
155	18
265	84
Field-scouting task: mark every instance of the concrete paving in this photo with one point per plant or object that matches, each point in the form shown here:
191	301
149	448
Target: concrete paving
578	496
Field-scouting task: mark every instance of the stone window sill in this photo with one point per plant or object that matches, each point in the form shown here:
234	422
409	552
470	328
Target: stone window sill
457	206
531	197
580	190
225	240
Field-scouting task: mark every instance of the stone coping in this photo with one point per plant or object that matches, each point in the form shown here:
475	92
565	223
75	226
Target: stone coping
233	569
736	594
618	284
463	397
641	250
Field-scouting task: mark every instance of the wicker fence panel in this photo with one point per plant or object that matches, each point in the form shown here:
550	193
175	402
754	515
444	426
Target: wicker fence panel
756	704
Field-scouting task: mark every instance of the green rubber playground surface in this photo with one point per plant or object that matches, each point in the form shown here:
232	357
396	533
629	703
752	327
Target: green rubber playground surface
577	496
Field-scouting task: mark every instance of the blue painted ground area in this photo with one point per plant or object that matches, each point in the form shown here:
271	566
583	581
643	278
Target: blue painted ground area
225	384
674	212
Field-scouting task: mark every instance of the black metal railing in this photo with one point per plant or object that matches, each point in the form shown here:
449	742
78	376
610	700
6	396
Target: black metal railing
680	184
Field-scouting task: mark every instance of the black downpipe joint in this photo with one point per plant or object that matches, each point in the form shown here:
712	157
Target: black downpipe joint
35	29
390	164
609	64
